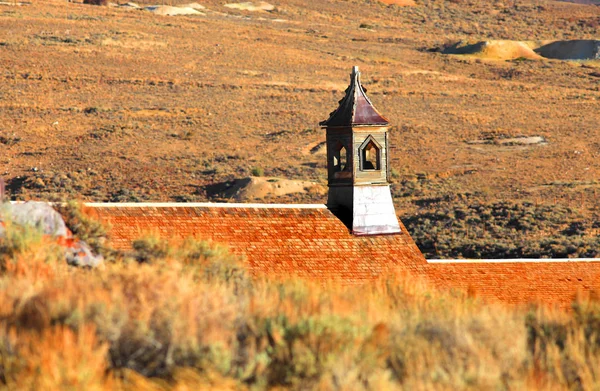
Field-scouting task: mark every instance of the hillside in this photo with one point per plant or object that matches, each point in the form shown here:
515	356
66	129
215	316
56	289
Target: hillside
118	104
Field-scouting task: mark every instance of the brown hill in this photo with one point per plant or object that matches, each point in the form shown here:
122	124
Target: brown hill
114	103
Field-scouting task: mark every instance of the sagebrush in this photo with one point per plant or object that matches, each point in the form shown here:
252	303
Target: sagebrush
190	315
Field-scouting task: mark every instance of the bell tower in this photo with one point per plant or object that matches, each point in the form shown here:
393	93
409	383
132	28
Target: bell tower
358	164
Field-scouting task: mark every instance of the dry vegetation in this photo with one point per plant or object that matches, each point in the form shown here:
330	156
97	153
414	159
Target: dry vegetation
189	315
114	105
110	104
475	229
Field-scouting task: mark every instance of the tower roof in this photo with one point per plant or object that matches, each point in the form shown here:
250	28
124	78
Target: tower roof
355	108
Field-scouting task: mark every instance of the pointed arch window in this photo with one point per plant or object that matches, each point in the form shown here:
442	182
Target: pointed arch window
370	155
340	158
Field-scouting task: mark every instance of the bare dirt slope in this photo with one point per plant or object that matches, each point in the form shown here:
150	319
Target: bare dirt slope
120	104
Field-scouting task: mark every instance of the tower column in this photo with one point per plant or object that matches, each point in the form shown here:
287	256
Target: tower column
358	164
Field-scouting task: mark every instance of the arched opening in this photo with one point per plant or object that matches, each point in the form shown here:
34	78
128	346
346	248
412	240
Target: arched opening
340	159
370	157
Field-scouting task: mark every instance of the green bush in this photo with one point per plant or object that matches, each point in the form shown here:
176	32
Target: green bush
17	239
150	249
207	261
91	231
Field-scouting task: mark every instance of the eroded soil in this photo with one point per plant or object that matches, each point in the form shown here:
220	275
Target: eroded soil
115	104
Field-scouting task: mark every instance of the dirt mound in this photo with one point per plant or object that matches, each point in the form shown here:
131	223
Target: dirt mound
494	50
510	141
130	5
172	11
250	6
95	2
592	2
583	49
195	6
509	50
257	188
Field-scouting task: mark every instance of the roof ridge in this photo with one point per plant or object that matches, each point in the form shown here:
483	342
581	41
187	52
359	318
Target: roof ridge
200	205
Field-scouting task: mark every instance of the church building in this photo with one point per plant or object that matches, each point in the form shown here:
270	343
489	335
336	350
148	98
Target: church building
356	237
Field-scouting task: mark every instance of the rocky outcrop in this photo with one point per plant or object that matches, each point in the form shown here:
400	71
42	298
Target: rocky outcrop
41	216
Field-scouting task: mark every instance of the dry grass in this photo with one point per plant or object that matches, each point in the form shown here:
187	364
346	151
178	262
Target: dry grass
172	323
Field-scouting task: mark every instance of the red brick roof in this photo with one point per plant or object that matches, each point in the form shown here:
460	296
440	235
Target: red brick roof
308	241
521	282
311	242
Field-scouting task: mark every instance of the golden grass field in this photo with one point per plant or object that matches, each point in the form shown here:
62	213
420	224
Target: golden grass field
189	317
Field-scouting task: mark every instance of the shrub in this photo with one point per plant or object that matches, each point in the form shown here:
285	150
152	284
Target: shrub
20	245
96	2
566	348
502	230
125	195
91	231
179	319
150	249
257	171
16	239
201	259
59	358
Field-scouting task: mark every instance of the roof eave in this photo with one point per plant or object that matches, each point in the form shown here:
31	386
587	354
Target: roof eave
376	125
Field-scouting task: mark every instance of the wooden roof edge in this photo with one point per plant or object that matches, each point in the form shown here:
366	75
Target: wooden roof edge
512	260
200	205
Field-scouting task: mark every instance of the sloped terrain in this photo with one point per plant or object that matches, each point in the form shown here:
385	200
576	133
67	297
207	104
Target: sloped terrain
120	104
